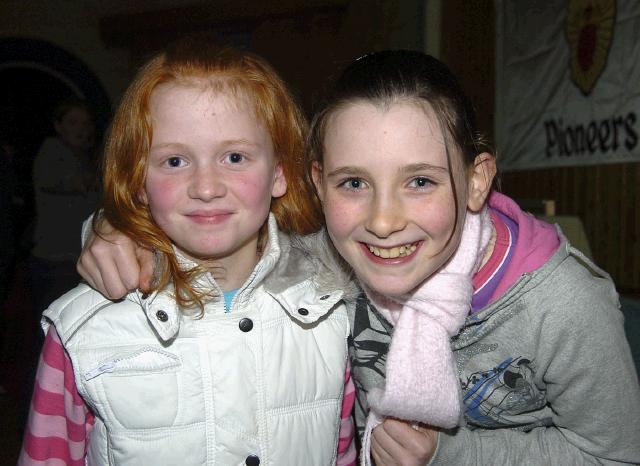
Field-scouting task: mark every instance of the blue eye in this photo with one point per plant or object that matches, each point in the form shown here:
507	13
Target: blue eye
174	162
353	184
421	182
235	157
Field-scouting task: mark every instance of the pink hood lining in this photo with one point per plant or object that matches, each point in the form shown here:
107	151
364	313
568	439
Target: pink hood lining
537	242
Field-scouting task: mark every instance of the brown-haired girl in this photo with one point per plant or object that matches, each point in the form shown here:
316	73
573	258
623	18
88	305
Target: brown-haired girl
237	352
540	371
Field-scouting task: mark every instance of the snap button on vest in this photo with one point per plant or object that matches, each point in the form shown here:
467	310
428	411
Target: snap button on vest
303	312
162	316
252	460
246	325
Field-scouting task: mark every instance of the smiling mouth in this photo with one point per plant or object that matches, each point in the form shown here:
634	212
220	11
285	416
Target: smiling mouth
393	253
208	218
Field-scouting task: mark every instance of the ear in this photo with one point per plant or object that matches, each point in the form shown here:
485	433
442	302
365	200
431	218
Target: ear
481	176
316	176
279	182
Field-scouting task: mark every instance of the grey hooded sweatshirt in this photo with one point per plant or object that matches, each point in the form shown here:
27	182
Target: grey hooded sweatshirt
546	372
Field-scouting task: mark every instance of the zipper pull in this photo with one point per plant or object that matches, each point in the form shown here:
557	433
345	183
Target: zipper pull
93	373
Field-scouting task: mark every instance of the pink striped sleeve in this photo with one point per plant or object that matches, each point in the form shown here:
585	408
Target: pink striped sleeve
346	439
59	421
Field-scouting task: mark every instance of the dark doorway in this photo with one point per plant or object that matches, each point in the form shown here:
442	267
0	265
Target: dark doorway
36	75
26	103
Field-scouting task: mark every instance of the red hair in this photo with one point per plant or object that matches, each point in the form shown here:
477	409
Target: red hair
190	62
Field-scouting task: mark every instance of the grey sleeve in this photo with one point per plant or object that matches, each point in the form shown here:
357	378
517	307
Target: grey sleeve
590	381
542	446
49	170
87	230
55	170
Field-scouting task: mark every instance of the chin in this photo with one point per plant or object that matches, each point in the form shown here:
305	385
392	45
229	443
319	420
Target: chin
388	287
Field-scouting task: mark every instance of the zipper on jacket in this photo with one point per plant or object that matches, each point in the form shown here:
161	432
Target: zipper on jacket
104	368
109	366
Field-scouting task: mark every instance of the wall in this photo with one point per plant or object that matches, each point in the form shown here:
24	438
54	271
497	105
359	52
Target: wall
607	200
70	25
307	41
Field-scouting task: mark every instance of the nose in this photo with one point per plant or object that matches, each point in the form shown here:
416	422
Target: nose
386	216
206	184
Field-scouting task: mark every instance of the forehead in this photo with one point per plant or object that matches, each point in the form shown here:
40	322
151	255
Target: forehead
198	114
373	130
200	92
173	103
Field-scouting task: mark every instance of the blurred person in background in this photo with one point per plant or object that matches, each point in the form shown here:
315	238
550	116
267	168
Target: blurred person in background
65	188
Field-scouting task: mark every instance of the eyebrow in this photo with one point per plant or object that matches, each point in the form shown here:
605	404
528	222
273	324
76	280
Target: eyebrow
242	142
166	144
351	171
419	167
406	170
227	142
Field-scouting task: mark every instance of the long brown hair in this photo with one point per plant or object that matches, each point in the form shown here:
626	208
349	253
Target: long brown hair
127	147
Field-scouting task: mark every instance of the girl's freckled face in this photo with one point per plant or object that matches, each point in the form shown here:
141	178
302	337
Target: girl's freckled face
387	194
211	174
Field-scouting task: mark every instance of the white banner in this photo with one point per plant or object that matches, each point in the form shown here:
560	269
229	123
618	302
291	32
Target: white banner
567	82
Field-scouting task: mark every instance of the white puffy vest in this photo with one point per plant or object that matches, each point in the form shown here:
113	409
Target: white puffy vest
260	385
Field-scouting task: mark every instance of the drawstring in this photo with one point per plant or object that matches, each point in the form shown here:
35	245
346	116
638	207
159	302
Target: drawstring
373	421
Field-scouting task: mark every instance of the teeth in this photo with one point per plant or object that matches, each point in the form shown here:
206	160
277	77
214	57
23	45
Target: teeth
392	253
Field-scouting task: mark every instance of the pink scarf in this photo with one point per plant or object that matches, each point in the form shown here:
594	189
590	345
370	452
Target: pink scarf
421	378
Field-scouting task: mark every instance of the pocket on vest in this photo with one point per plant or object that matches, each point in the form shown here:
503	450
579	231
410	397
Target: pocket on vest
140	386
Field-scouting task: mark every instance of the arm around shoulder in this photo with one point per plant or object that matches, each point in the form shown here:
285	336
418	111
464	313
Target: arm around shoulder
113	263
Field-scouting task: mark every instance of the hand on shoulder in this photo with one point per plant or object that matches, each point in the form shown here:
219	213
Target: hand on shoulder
114	264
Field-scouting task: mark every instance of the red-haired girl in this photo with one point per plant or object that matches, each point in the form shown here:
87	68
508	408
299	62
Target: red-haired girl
237	353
